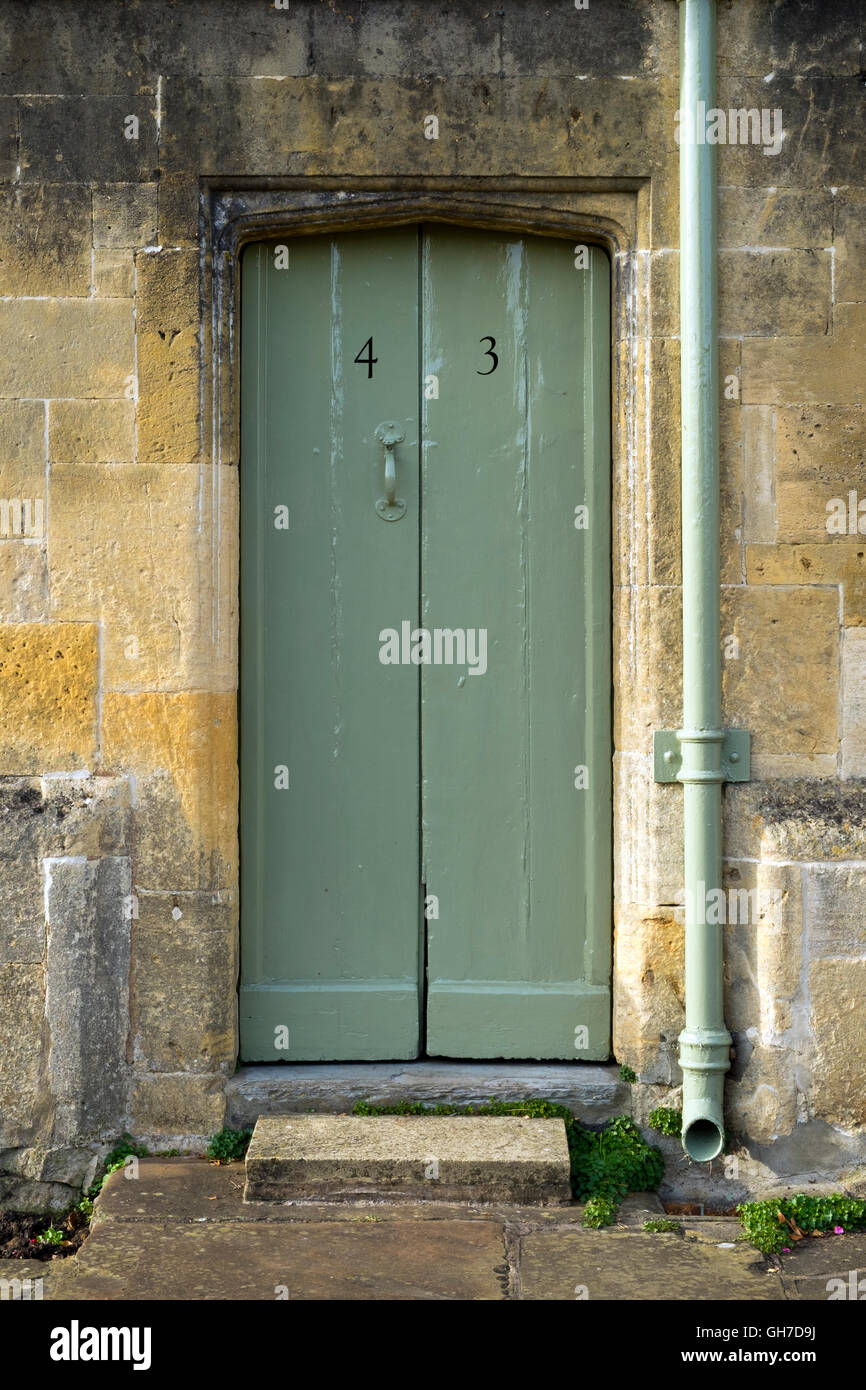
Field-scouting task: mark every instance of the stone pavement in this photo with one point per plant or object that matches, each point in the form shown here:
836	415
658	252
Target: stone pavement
181	1231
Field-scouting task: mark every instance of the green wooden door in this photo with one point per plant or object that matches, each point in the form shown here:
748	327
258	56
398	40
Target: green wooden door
425	735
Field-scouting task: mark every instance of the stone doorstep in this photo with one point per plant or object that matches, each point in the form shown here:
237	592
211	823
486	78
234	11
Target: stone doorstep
592	1091
430	1157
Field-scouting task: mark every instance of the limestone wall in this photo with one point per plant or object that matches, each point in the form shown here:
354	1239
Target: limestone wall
118	552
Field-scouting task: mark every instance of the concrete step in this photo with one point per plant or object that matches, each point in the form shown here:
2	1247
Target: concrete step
430	1157
594	1093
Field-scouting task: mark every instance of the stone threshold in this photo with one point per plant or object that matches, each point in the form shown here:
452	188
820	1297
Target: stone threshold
593	1092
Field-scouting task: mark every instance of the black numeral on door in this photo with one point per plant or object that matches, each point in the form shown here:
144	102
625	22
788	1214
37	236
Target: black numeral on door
369	359
489	353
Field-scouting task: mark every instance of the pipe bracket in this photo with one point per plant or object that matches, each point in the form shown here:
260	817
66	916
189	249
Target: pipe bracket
733	764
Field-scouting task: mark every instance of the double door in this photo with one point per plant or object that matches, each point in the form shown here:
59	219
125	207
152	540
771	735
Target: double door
425	634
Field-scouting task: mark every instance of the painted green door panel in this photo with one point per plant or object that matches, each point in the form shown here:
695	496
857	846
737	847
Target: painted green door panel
480	767
330	893
517	856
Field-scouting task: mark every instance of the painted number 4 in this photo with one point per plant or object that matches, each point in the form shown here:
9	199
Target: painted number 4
369	359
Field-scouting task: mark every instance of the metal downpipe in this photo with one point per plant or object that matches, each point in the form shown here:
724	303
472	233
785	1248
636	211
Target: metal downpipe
705	1042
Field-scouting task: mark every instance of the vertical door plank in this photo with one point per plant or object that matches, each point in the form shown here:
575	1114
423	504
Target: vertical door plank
516	854
329	865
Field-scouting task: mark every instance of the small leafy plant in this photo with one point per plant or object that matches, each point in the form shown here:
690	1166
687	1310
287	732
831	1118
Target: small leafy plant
627	1075
666	1121
660	1224
772	1225
600	1211
50	1236
229	1145
125	1148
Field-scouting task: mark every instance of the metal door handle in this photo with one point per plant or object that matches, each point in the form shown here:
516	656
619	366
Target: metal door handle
390	507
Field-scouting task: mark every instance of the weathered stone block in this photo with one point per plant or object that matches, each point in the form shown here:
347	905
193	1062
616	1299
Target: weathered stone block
124	214
647	637
113	273
801	819
664	533
853	761
66	347
774	293
649	995
838	560
763	1103
50	676
22	910
87	994
428	1157
795	371
45	240
849	241
22	461
759	474
595	1094
191	1107
302	124
23	582
836	910
125	549
182	751
648	839
92	431
762	911
24	1102
777	217
8	137
81	138
185	963
167	308
819	458
837	991
797	711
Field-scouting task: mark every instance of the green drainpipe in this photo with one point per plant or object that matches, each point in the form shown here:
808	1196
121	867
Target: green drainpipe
701	755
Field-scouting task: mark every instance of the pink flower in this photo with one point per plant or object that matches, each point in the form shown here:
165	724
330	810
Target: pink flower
838	1230
786	1249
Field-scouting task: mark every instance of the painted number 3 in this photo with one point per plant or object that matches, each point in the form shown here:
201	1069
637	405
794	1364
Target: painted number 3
489	353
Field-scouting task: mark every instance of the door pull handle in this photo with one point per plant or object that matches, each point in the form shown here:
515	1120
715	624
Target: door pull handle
390	507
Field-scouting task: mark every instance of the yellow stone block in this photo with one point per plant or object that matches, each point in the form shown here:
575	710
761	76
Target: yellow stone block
92	431
113	274
827	369
837	560
167	308
182	750
45	239
780	674
66	347
23	582
819	457
49	674
125	548
22	469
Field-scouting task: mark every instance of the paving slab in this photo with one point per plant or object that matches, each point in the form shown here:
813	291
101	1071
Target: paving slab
626	1265
358	1258
434	1157
828	1267
181	1231
827	1288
